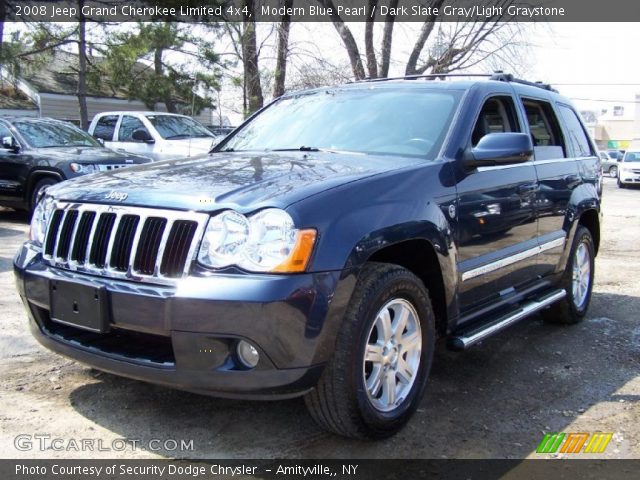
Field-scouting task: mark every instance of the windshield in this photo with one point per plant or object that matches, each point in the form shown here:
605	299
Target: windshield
631	157
383	121
172	127
44	134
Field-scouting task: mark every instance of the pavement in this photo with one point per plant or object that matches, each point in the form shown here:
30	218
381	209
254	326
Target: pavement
496	400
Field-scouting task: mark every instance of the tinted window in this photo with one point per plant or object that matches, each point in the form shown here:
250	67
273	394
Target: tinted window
545	130
4	132
497	116
106	127
43	134
173	127
383	121
129	125
577	136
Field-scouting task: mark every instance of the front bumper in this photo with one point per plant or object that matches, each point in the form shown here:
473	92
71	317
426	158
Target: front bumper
184	336
629	177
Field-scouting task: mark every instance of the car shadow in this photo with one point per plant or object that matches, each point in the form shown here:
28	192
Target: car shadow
493	401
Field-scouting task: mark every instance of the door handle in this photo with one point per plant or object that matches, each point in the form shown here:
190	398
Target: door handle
527	188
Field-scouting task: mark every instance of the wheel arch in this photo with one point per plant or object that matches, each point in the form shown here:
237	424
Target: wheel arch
37	175
591	221
419	256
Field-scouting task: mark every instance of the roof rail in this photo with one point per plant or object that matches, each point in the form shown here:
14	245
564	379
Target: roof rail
507	77
498	75
428	75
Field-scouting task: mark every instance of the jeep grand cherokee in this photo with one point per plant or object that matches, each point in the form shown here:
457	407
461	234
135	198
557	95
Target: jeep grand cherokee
322	247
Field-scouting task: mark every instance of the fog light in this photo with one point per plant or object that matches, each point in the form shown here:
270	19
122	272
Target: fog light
247	354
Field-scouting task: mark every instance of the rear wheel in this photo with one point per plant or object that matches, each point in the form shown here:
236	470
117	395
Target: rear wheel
378	373
38	188
613	171
577	281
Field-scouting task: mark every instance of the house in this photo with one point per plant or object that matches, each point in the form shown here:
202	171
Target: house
49	90
614	127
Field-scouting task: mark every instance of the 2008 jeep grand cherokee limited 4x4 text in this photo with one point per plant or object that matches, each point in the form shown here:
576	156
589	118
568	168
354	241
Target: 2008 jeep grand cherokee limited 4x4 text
322	248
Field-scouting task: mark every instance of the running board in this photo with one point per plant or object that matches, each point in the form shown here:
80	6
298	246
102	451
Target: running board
465	339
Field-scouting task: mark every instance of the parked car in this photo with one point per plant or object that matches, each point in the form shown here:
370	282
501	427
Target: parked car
160	136
323	246
610	160
629	172
39	152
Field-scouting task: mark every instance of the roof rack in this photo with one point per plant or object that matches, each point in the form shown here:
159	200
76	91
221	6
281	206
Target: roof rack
498	76
428	75
507	77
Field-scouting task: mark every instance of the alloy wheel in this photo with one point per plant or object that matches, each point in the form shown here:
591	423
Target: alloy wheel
392	355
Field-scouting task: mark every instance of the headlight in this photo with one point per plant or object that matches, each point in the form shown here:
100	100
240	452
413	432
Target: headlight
40	220
83	168
224	239
265	242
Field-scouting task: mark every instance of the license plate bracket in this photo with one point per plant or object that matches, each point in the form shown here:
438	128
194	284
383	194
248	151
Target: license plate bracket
79	305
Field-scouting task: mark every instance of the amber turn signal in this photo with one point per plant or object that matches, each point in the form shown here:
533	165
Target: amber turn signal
301	253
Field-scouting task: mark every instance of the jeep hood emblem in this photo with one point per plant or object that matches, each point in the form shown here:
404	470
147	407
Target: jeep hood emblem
117	196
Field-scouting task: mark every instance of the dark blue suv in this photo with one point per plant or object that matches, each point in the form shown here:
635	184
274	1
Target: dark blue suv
323	247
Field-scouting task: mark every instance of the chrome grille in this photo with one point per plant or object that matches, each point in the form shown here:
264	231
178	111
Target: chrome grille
131	243
109	167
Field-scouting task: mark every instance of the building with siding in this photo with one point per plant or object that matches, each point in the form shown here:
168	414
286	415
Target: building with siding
50	91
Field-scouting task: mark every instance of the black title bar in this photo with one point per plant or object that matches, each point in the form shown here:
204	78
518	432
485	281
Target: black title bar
321	10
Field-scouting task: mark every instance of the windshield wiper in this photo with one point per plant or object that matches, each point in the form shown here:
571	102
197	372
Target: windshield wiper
299	149
175	137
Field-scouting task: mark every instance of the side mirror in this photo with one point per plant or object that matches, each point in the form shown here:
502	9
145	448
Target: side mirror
142	136
100	140
500	149
9	143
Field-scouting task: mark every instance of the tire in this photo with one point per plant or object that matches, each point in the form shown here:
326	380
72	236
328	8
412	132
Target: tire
620	184
574	306
613	171
37	188
341	401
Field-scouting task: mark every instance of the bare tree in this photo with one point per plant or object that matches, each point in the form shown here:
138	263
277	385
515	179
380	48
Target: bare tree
441	47
82	68
282	53
255	99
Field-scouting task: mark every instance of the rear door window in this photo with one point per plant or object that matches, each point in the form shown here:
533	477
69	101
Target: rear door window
544	129
106	127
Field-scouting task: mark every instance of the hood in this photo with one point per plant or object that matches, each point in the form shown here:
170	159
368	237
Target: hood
86	155
243	181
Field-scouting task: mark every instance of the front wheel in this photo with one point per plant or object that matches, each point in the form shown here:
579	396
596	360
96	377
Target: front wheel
577	281
378	372
620	184
613	171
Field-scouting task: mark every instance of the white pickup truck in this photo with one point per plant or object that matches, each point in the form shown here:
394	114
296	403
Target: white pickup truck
160	136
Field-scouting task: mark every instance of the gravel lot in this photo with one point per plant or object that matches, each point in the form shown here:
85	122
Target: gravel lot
493	401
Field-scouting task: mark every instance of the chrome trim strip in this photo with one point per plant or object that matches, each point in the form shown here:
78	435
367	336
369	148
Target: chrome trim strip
505	262
143	212
558	242
526	310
